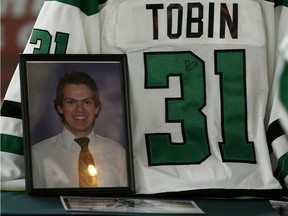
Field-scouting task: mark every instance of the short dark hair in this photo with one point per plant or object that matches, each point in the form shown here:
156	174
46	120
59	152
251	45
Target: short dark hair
75	77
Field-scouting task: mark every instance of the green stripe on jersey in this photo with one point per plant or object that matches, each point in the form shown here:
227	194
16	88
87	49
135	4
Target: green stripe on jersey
283	86
12	144
89	7
283	165
279	2
282	2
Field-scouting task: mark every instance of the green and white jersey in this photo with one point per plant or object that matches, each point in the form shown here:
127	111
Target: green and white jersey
200	85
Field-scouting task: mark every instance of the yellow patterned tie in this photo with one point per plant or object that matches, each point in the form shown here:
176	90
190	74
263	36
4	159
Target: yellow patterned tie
85	164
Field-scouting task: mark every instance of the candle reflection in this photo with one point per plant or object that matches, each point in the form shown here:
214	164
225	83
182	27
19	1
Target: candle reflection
93	173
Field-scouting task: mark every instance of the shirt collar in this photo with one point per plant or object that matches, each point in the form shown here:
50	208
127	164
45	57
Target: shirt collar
68	139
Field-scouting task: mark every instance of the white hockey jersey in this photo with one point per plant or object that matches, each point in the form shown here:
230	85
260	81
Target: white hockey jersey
199	77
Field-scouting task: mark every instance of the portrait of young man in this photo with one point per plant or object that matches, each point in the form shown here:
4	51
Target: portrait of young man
78	156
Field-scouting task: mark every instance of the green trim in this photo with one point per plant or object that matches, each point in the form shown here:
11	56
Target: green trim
12	144
283	90
89	7
283	165
282	2
279	2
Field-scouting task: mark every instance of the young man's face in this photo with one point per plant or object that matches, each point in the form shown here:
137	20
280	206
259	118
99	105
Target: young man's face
79	109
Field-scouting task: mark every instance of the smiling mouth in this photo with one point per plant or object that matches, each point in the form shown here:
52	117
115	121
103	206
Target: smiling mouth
80	117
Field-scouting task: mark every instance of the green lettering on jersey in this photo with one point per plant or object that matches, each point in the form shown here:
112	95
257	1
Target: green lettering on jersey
43	39
89	7
61	40
230	66
185	110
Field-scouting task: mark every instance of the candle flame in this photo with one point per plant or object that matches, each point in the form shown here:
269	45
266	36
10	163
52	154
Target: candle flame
92	170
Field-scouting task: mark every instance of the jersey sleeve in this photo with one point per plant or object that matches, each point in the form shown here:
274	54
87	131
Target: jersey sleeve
278	122
61	27
277	104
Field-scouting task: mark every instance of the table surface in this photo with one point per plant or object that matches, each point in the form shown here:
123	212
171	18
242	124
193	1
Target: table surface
19	203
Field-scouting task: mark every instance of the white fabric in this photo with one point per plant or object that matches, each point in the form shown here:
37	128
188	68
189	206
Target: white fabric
55	162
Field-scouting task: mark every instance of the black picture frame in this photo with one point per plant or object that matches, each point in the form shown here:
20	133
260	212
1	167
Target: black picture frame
39	76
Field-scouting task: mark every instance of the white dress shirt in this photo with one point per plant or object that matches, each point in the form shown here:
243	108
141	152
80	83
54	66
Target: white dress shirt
55	162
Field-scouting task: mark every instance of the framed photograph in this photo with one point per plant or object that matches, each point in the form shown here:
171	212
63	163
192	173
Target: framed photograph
76	124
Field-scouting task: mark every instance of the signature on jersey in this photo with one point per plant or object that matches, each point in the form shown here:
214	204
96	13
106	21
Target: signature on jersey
190	65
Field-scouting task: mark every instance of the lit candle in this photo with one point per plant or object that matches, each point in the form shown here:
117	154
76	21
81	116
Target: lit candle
93	173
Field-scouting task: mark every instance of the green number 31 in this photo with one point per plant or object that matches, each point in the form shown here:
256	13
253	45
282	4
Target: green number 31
187	109
44	38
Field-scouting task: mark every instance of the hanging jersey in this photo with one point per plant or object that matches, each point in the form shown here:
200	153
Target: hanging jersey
197	110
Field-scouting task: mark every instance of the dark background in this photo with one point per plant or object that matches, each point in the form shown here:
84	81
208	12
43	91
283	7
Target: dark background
17	20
